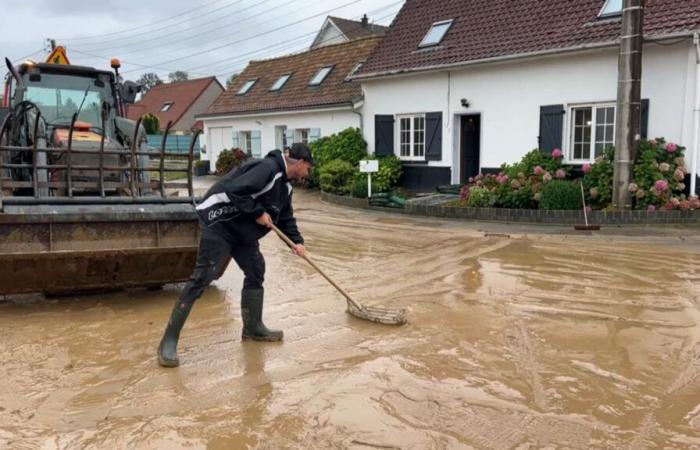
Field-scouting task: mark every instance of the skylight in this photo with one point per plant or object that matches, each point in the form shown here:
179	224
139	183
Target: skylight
320	76
247	87
166	106
436	33
611	8
280	82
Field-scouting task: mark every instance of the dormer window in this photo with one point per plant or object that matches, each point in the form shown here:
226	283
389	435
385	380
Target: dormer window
166	106
247	87
320	76
281	81
436	33
611	8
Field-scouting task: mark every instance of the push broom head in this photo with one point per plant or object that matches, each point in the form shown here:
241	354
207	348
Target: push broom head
587	227
386	316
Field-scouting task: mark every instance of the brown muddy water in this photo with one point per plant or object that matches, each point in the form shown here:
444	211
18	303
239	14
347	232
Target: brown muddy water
532	341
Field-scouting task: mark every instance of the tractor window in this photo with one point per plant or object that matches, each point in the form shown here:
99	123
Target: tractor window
60	96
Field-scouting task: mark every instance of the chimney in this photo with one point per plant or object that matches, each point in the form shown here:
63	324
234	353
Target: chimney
365	21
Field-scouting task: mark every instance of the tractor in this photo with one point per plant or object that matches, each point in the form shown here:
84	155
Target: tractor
84	201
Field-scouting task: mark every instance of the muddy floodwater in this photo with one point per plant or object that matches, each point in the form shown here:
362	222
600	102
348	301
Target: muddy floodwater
525	341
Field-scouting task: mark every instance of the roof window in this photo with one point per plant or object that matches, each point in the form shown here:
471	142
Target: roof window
436	33
281	81
320	76
166	106
611	8
247	87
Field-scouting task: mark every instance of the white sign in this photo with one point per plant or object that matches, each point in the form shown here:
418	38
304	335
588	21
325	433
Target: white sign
369	166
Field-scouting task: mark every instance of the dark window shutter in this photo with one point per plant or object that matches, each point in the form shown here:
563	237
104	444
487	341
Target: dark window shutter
433	136
551	127
383	135
645	118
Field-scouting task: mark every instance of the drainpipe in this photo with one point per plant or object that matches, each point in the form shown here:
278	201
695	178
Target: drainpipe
696	117
355	108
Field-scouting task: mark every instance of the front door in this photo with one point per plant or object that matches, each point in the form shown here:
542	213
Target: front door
470	146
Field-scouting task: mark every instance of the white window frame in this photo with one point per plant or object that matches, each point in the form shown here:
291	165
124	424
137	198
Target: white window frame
302	135
281	81
570	135
246	142
247	86
166	106
412	156
432	43
321	76
612	13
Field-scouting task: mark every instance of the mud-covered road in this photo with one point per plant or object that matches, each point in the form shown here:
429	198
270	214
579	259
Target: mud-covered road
519	342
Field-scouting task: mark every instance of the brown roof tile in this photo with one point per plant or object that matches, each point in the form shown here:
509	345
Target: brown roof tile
296	93
484	29
183	94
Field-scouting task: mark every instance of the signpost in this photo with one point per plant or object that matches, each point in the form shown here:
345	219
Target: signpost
369	166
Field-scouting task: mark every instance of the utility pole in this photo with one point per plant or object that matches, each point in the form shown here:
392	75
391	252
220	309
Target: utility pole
628	112
51	43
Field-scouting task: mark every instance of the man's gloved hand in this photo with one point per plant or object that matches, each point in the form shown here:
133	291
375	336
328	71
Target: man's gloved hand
265	220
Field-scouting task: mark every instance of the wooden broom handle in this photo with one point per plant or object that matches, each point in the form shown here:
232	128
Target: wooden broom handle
313	264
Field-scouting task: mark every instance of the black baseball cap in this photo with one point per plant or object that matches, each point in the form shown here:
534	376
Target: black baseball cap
301	151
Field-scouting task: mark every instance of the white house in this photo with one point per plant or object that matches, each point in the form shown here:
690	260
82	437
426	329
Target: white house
294	98
458	88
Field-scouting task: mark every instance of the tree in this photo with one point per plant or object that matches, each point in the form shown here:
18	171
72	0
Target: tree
231	80
178	75
148	81
151	123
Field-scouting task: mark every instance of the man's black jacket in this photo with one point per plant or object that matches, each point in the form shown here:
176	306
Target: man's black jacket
245	193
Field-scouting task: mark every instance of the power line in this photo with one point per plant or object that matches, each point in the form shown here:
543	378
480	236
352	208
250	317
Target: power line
41	50
255	36
82	38
284	45
189	38
240	68
234	59
101	48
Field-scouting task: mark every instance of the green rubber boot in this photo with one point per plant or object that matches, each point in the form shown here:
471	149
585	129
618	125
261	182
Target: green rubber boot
251	309
167	351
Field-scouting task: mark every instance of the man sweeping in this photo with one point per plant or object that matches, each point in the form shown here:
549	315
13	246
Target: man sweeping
234	215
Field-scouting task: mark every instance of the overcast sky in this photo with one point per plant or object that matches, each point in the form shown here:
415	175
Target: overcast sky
201	37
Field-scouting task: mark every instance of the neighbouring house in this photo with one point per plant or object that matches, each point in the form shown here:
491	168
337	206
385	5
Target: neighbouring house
458	87
336	30
178	102
295	98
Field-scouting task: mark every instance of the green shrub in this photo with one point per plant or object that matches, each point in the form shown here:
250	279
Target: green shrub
336	176
561	195
348	145
151	123
598	180
388	174
229	160
659	176
481	197
359	185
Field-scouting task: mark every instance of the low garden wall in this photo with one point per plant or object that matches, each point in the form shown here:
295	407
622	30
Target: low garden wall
436	206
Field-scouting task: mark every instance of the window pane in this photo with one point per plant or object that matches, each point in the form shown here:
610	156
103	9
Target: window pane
436	34
611	115
582	133
320	76
405	134
600	115
611	7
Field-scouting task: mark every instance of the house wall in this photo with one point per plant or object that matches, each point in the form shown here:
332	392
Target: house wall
205	100
329	36
328	122
509	95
